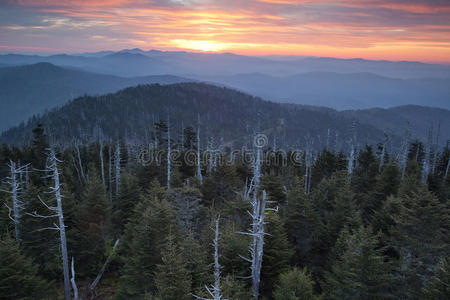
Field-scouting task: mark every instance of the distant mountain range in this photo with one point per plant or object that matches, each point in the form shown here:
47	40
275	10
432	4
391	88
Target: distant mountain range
32	84
341	91
228	116
32	89
136	62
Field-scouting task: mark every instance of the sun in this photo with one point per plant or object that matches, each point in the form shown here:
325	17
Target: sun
206	46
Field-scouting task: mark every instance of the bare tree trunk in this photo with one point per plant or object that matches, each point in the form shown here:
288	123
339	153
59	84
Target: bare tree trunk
110	174
53	167
102	164
446	170
74	284
217	267
383	153
426	159
15	200
199	169
117	167
14	192
80	163
168	153
100	274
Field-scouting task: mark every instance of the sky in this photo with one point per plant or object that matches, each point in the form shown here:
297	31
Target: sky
417	30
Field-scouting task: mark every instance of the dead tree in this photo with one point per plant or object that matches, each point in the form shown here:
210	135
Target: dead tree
110	179
199	169
446	170
53	171
308	163
15	191
258	213
117	167
169	153
74	284
214	290
102	163
426	159
102	271
383	152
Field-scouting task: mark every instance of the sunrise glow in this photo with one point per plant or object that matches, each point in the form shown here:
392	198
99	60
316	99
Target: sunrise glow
377	29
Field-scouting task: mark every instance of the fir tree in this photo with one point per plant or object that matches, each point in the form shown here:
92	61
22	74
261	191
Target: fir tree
439	286
19	277
172	278
422	236
358	268
295	284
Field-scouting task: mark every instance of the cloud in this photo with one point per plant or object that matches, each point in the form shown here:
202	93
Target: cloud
367	28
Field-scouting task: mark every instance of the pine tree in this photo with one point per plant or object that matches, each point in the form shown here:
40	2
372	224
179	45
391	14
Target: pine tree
143	241
422	236
439	286
19	277
358	268
172	278
302	223
277	253
92	223
295	284
196	259
129	195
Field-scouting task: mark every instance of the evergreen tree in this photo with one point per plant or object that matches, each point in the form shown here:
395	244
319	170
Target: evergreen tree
422	236
302	223
196	261
19	277
295	284
144	238
358	268
129	195
172	278
233	288
277	253
92	223
439	286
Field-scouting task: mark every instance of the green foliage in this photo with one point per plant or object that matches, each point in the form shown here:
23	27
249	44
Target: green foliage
144	240
90	233
358	268
129	195
277	253
422	236
439	286
172	278
295	284
19	278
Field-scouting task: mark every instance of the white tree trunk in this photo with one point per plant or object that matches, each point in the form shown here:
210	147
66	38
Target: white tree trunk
102	164
446	170
110	179
74	284
169	154
102	271
53	167
117	167
217	267
199	169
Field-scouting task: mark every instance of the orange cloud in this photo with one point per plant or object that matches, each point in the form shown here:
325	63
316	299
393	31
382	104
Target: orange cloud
378	29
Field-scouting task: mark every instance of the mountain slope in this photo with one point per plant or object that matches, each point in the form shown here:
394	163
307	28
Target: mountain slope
32	89
342	91
398	120
226	115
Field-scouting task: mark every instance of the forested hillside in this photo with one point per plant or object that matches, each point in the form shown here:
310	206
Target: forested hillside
33	89
114	220
225	115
